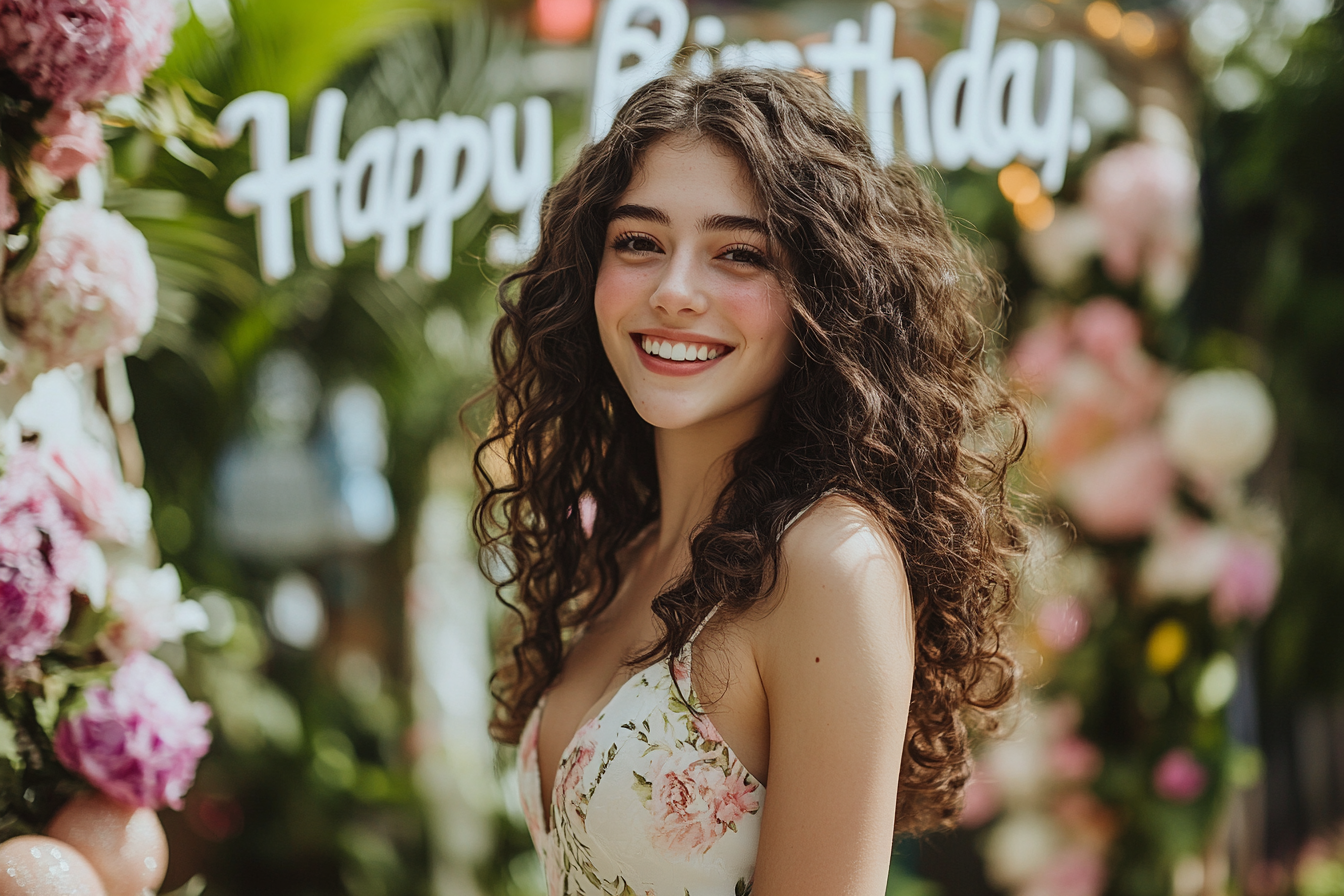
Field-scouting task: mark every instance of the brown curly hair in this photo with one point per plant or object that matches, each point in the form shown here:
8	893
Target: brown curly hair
891	401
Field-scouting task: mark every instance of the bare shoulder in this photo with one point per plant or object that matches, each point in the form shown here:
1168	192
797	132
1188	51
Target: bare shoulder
842	582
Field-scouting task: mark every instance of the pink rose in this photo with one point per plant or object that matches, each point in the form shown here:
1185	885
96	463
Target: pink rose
704	726
1179	777
1074	759
681	672
41	556
1248	582
1074	872
74	139
9	211
80	51
1062	623
687	793
138	741
982	798
1107	329
1039	353
1120	491
1144	197
90	287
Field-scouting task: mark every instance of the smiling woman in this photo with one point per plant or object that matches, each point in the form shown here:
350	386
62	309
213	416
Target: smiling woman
758	354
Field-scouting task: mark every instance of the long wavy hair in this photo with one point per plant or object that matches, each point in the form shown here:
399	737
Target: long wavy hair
891	401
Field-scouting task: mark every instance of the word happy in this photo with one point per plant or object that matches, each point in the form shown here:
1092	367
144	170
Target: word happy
979	105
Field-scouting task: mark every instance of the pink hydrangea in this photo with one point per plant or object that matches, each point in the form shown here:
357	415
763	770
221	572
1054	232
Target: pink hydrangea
1179	777
90	287
9	211
80	51
41	555
138	741
74	138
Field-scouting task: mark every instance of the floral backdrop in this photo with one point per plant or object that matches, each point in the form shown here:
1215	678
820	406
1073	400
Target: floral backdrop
1172	331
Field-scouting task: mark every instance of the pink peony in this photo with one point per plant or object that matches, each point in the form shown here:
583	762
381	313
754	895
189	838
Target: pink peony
1062	623
1248	582
1179	777
41	555
80	51
1107	329
88	485
90	287
9	211
1143	196
150	610
1120	491
139	740
74	139
1074	872
580	754
737	799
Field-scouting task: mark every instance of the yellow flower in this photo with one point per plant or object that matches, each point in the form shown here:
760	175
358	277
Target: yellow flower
1166	646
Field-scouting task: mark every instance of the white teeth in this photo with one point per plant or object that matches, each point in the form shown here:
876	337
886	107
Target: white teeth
678	351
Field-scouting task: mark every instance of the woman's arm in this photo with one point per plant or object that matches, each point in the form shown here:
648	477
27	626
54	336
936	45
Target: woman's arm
836	657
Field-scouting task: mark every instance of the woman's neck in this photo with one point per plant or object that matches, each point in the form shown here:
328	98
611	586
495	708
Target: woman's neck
694	466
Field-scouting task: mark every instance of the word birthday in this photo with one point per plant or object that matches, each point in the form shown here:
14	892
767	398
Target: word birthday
980	104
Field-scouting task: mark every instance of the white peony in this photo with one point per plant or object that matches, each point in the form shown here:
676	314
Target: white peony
1184	561
1218	425
1019	846
150	609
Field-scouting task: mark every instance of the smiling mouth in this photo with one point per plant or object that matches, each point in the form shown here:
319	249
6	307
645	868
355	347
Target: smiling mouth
669	350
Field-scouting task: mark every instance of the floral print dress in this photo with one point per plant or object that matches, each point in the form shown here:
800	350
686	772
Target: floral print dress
648	799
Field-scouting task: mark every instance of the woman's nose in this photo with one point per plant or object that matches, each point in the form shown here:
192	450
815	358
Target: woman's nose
680	289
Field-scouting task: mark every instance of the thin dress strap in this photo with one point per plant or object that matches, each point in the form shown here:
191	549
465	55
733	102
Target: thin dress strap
686	651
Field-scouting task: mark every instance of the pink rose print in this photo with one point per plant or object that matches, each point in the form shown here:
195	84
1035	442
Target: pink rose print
693	802
737	800
681	671
579	757
705	728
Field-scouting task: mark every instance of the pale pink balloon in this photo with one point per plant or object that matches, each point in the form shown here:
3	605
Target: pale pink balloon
125	845
42	866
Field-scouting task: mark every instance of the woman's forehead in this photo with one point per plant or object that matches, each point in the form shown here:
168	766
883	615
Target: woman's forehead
683	170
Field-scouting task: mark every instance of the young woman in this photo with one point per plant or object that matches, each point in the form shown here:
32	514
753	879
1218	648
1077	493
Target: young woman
742	406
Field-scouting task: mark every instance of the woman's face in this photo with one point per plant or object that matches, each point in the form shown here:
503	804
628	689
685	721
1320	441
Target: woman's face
692	317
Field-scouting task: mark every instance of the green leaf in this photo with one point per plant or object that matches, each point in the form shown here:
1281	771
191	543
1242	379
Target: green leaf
8	748
48	706
642	787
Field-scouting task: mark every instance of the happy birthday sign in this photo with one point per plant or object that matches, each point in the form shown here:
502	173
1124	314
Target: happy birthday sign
979	105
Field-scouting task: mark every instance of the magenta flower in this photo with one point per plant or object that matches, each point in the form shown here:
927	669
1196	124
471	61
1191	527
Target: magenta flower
139	740
81	51
90	287
41	555
74	139
1179	777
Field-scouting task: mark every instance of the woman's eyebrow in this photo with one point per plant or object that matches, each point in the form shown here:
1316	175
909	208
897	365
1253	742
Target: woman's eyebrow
733	222
641	213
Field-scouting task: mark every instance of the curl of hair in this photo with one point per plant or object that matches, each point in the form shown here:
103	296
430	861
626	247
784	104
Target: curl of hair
892	401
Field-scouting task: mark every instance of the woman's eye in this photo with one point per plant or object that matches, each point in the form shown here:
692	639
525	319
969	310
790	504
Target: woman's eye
744	255
634	242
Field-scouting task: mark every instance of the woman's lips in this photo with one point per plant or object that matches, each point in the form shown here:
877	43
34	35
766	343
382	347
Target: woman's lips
673	357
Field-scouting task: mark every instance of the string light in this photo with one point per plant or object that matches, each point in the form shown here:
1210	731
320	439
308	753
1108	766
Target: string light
563	21
1139	33
1019	184
1036	214
1104	18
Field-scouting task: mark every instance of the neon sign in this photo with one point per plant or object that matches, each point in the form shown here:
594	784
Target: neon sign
979	105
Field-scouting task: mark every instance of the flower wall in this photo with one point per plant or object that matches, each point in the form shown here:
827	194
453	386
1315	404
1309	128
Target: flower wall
86	706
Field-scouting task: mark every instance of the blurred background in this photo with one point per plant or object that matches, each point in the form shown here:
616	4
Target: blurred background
1177	318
